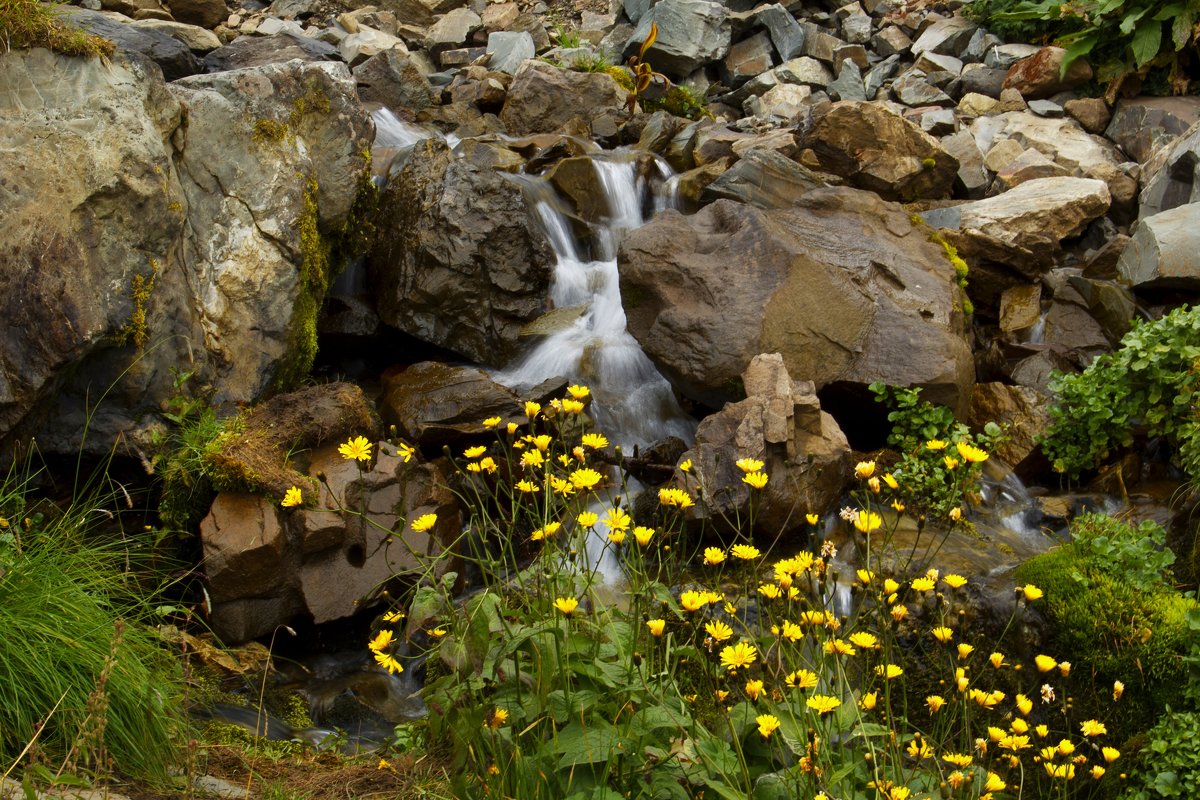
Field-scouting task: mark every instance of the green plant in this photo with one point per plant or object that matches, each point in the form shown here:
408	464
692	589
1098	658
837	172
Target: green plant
598	61
187	486
644	75
1169	764
1125	37
1146	388
568	40
84	685
1138	555
28	23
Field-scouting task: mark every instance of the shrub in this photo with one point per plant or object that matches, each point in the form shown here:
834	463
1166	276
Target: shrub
28	23
1169	765
1146	388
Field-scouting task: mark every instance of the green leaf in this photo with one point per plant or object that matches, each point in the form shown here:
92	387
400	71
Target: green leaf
1077	49
1182	29
585	744
1146	41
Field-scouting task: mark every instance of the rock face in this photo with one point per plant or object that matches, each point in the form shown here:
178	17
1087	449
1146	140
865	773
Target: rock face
434	404
172	245
876	149
781	423
543	98
1162	251
691	33
460	261
842	285
1172	178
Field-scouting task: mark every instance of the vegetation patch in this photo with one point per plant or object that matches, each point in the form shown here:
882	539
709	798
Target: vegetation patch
28	23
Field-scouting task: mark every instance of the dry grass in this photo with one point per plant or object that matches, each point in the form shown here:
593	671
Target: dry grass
27	23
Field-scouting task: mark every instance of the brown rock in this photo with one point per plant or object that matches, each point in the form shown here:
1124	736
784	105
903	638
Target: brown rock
1090	112
544	98
1021	408
435	404
1038	75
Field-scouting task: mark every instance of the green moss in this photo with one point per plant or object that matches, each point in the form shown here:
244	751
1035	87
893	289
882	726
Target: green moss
28	23
622	77
141	289
679	101
1109	630
269	130
315	275
928	163
960	266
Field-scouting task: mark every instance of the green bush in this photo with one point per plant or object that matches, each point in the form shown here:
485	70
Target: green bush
1169	765
1147	387
1138	555
82	678
1124	37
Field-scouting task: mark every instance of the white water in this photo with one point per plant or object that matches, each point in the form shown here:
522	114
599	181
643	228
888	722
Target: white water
633	405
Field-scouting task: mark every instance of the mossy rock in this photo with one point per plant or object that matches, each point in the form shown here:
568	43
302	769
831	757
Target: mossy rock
1110	631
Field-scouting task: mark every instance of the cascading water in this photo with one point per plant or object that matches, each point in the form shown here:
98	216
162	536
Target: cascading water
633	404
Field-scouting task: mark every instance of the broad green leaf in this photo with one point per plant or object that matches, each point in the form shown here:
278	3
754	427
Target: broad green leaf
1146	41
585	744
1183	29
727	792
1077	49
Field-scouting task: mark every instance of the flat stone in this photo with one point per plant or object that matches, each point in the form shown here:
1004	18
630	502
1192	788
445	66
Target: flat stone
746	59
804	71
509	49
1003	56
1020	307
1162	250
912	89
1046	108
1142	125
946	36
890	41
934	62
939	122
849	83
977	105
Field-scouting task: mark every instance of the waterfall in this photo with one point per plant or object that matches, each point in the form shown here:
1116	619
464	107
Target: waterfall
633	404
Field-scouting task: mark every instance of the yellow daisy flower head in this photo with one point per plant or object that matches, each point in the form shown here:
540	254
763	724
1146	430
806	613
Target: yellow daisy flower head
566	605
738	656
958	759
532	409
950	462
971	453
1118	690
891	481
1110	754
496	718
755	480
867	521
292	497
542	441
822	704
587	519
1031	592
811	518
512	428
770	591
532	458
935	444
357	448
801	679
656	626
718	630
381	641
389	663
527	487
693	600
865	640
713	556
643	535
617	519
474	452
561	486
889	671
1093	727
922	584
685	465
545	532
424	523
767	724
585	478
869	701
746	552
572	406
616	535
749	464
753	689
943	634
865	576
394	616
791	631
965	650
596	441
864	469
839	647
935	702
1045	663
491	422
675	497
954	581
873	484
579	392
405	451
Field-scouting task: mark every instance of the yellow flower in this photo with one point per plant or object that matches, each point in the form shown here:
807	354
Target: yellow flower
393	616
1061	771
1092	727
527	487
512	428
713	556
572	406
889	671
997	660
950	462
767	725
1045	663
753	689
812	518
685	465
935	703
955	514
899	612
839	647
424	523
756	480
643	535
865	576
801	679
873	484
532	409
545	532
865	640
971	453
738	656
566	604
656	626
942	634
596	441
954	581
822	704
474	452
1118	690
745	552
1098	772
561	486
438	632
1110	754
675	497
1064	668
1031	592
585	478
994	783
542	442
749	465
1014	743
896	504
1024	705
1019	725
381	641
923	584
918	748
867	521
383	764
497	718
579	392
617	519
769	591
964	651
356	449
1042	731
493	769
891	481
791	631
616	536
292	497
935	444
532	458
868	701
386	661
718	630
958	759
587	519
864	469
692	600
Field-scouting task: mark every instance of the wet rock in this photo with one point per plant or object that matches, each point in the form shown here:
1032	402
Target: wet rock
876	149
1022	409
1040	75
1036	370
837	298
394	79
543	98
691	33
460	262
780	422
1020	307
765	179
1142	125
1162	250
437	404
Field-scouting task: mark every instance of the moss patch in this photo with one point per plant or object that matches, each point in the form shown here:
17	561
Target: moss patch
141	289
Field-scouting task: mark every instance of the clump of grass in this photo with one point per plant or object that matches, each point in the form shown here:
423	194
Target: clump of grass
85	688
27	23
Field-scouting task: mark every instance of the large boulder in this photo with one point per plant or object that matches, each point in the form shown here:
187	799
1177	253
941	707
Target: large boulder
543	98
877	149
1162	250
691	33
460	261
1141	125
141	245
172	56
435	404
843	285
805	454
1172	178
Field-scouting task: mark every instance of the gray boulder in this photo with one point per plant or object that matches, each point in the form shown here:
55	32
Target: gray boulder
543	98
1142	125
460	261
256	51
1172	178
691	33
838	298
1162	250
172	56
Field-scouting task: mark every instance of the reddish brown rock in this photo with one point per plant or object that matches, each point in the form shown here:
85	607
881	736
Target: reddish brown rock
1039	75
